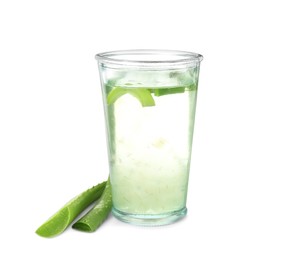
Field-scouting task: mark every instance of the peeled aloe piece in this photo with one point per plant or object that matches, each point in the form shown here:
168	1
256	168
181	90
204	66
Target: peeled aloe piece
143	95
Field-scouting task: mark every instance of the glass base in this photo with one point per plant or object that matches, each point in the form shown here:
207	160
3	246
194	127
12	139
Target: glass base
150	220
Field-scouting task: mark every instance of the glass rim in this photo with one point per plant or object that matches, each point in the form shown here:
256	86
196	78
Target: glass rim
149	58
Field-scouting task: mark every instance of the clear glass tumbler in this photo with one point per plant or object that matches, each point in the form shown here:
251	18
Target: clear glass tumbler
149	99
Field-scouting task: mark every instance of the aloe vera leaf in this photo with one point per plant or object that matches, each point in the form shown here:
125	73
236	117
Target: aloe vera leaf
96	216
166	91
114	94
56	224
142	94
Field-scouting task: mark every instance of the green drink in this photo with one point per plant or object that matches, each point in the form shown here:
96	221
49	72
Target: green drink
150	113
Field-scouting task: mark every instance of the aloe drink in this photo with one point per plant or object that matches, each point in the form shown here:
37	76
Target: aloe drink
150	119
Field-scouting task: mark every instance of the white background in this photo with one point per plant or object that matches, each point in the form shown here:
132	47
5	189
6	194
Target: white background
52	136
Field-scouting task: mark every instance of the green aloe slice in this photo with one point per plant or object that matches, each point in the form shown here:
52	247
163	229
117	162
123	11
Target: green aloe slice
166	91
56	224
142	94
114	94
96	216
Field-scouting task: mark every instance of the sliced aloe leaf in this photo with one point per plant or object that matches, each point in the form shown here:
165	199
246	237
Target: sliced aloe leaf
166	91
114	94
56	224
97	215
143	95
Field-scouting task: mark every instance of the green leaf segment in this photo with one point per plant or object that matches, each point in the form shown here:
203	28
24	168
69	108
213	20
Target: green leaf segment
96	216
56	224
142	94
166	91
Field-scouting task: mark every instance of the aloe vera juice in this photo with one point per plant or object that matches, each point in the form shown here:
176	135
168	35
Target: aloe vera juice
150	133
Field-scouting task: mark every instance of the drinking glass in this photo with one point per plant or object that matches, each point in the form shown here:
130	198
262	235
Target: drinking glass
149	99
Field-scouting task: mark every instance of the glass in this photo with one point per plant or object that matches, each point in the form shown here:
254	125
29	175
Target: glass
149	99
